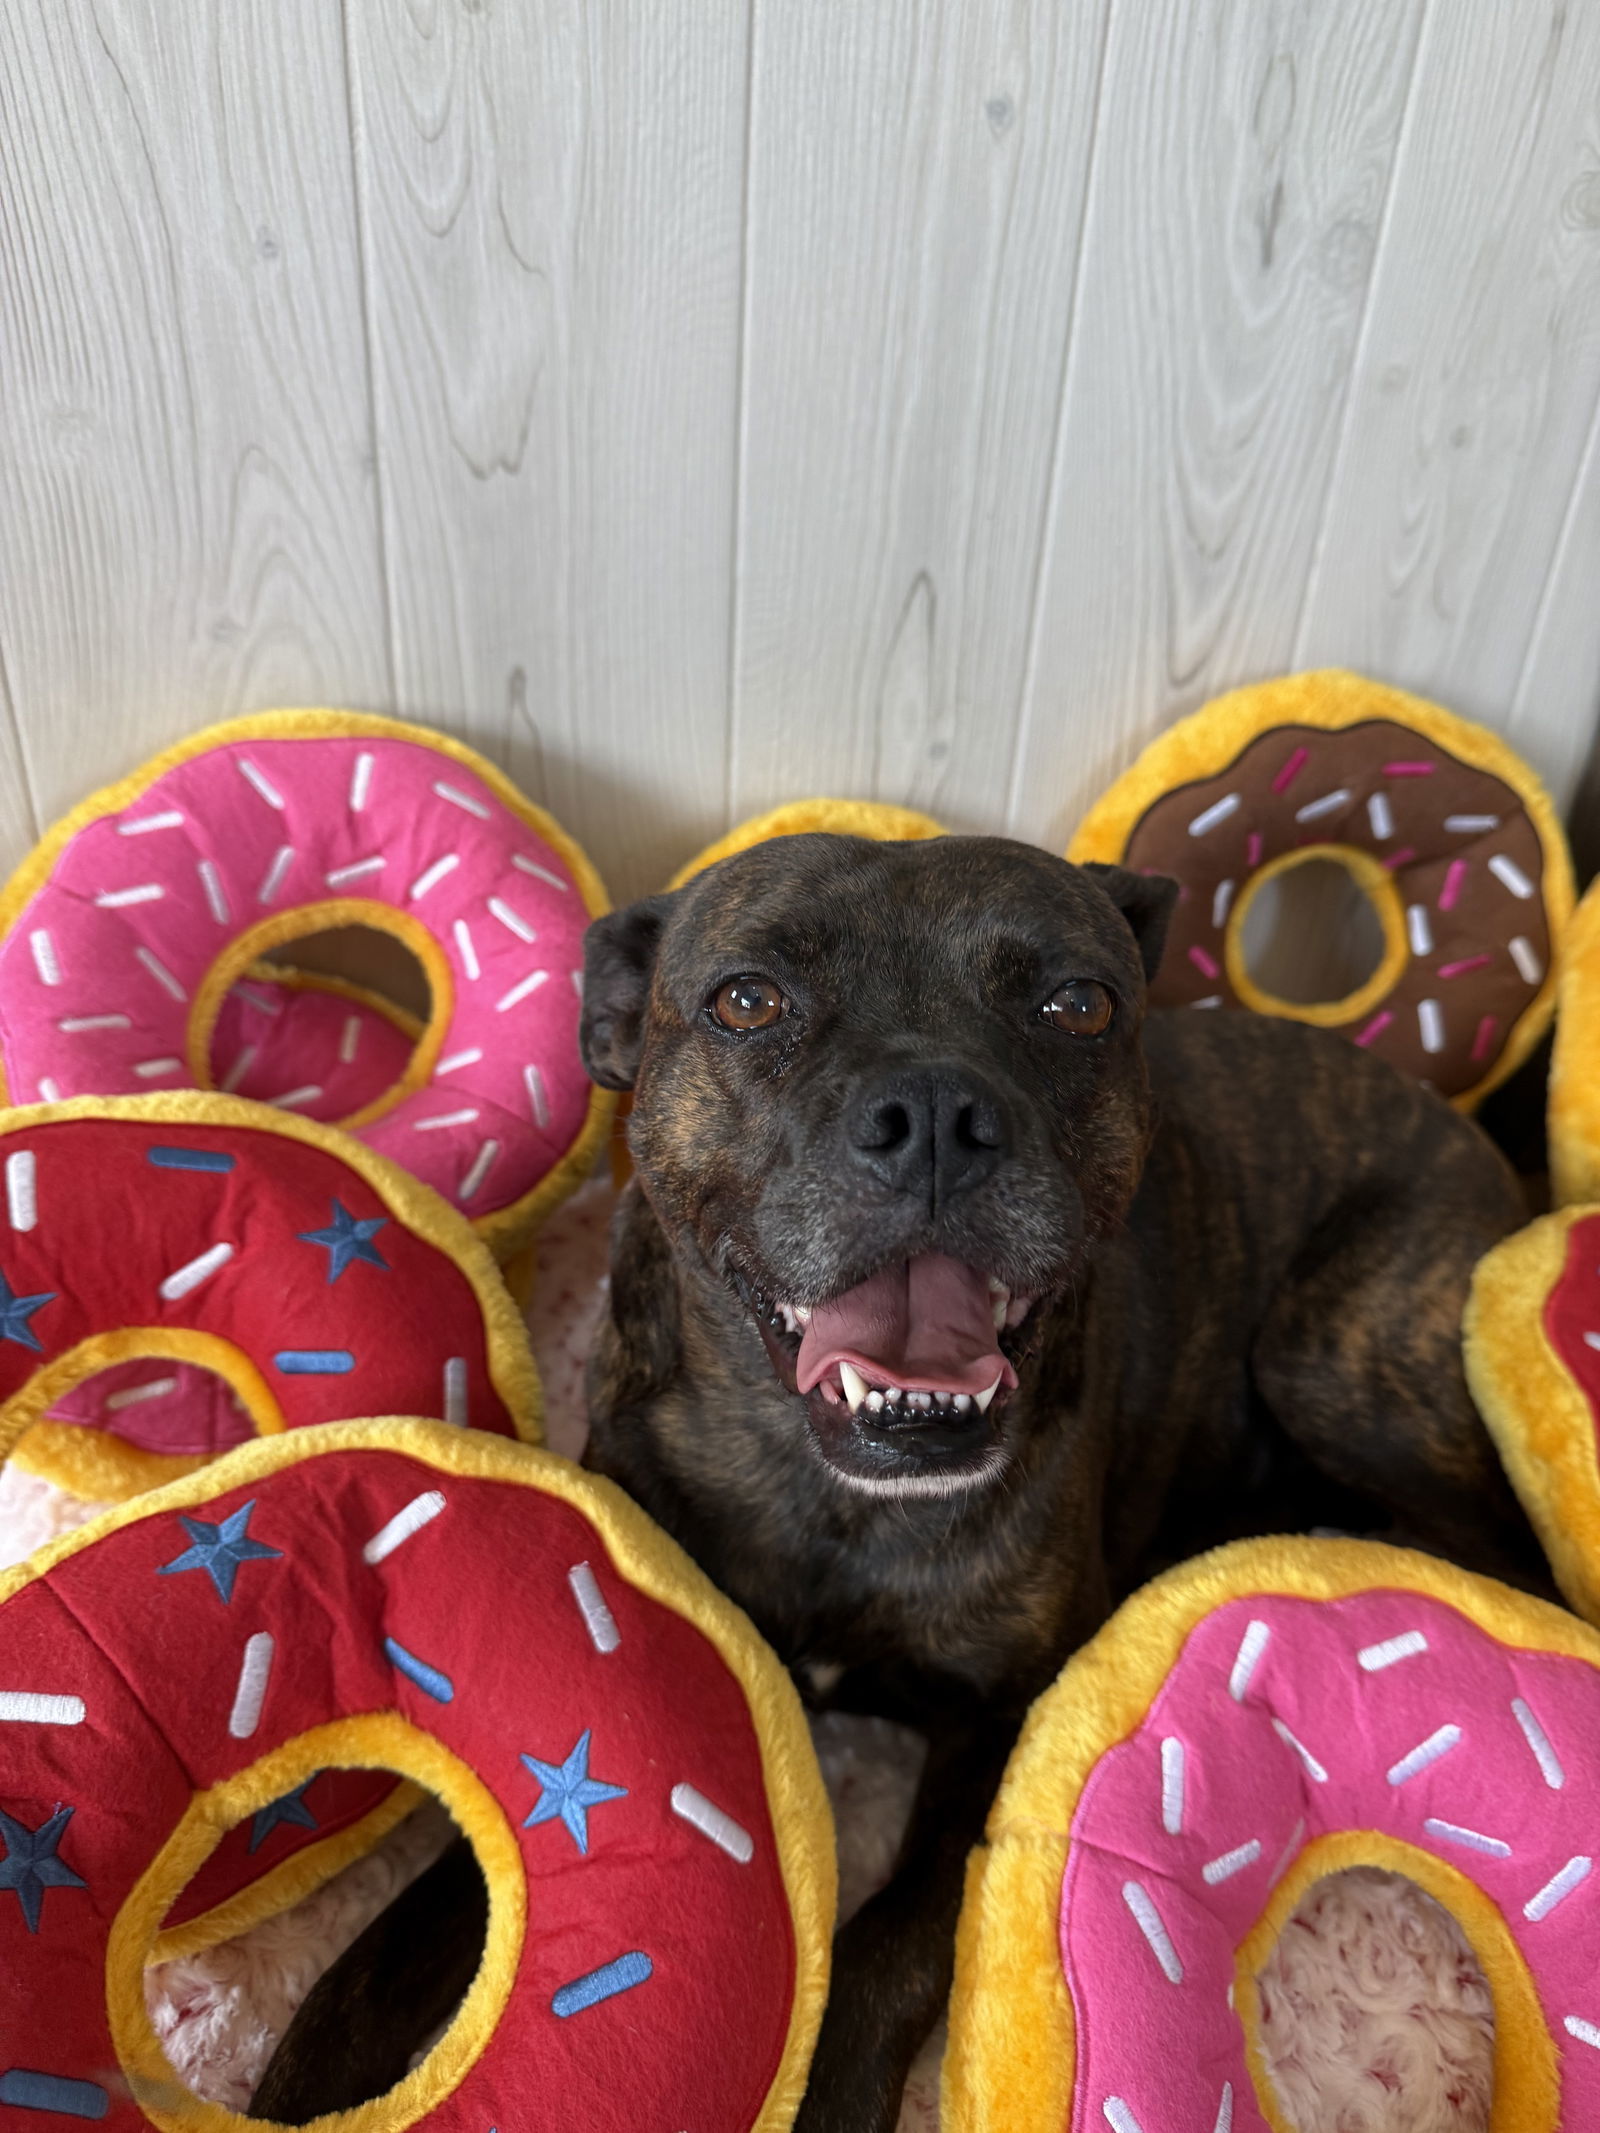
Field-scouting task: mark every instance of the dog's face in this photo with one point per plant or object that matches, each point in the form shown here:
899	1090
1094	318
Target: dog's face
889	1094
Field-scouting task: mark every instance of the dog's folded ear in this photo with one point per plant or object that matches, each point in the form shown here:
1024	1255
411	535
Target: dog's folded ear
1146	901
619	953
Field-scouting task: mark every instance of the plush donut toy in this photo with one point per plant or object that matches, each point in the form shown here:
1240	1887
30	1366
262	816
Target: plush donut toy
1574	1112
1451	837
306	1042
628	1759
1532	1351
800	818
124	931
1244	1726
294	1270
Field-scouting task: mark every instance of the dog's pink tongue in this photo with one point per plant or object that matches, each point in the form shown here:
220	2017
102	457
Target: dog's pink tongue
926	1324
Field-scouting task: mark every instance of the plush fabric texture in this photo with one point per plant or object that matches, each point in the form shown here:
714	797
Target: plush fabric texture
1532	1350
626	1756
1574	1109
319	1046
1243	1726
1450	834
123	932
284	1260
839	818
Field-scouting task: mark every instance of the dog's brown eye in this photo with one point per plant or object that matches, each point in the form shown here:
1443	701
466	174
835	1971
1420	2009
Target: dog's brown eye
748	1003
1083	1007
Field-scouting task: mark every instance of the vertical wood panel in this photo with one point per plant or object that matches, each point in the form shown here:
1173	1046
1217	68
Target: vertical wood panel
916	189
1243	165
188	528
1555	714
553	200
1479	373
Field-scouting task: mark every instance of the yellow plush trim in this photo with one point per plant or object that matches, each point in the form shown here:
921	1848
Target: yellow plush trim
1378	886
1012	2046
1527	2074
289	1882
841	818
655	1566
414	1205
1535	1409
1574	1114
507	1229
1212	737
95	1465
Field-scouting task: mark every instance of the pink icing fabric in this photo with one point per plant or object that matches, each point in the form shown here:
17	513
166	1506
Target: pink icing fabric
1405	1718
314	1053
97	975
161	1406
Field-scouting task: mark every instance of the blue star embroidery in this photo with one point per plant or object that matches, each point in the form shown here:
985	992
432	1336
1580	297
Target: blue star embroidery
566	1789
30	1865
348	1240
16	1311
290	1807
218	1550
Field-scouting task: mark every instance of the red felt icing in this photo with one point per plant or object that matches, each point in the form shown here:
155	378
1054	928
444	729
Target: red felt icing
1572	1310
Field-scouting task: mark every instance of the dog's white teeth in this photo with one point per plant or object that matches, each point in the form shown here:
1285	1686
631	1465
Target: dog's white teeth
854	1384
999	1302
922	1401
962	1402
982	1399
875	1403
802	1314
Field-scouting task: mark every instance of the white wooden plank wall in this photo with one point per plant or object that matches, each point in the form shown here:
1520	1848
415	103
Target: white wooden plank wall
702	403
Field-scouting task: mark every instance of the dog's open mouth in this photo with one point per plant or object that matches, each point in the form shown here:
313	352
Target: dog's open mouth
904	1375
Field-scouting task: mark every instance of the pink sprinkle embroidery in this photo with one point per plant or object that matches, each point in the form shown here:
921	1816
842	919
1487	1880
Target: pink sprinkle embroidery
1293	765
1375	1028
1471	962
1207	967
1401	858
1455	875
1408	770
1484	1041
1252	850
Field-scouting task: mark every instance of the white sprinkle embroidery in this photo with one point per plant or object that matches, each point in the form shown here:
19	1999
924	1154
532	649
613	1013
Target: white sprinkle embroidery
409	1519
1221	898
264	1003
349	1040
457	1060
22	1189
292	1099
1510	875
430	877
458	798
148	1069
1218	811
1419	929
146	892
1231	1863
1591	1340
195	1271
442	1118
1560	1885
216	895
1324	806
577	983
533	1081
1149	1921
76	1025
1314	1769
236	1073
251	1693
29	1707
1119	2116
1424	1753
1526	958
1430	1025
508	918
134	1395
1539	1741
479	1171
159	971
1224	2122
520	991
455	1391
282	860
1585	2032
44	955
268	791
171	820
1471	1840
355	870
1373	1658
700	1813
360	782
1212	999
1289	1852
1172	1786
1251	1646
598	1619
1466	825
465	949
49	1089
1380	816
539	873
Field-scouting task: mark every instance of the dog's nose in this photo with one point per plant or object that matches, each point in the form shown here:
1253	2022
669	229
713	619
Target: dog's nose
931	1132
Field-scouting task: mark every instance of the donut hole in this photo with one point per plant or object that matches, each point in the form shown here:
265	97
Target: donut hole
149	1408
361	955
1375	2012
1310	935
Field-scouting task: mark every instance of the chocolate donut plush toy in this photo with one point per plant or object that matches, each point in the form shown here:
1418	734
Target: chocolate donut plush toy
1451	837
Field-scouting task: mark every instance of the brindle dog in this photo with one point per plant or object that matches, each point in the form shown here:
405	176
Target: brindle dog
955	1296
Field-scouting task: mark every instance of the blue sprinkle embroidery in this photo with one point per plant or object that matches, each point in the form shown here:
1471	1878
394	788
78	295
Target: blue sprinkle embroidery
427	1678
30	1864
219	1549
16	1312
190	1159
346	1240
566	1789
602	1984
314	1362
289	1807
53	2092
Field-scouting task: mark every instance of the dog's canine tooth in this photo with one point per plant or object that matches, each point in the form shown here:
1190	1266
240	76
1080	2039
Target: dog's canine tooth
983	1398
802	1312
854	1384
999	1302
